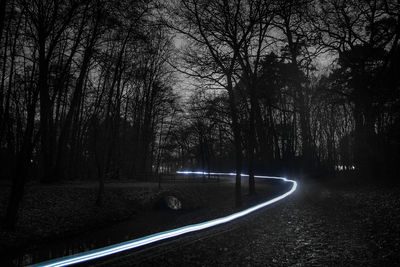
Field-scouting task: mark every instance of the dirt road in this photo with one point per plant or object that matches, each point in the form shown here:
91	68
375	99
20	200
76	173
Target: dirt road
317	226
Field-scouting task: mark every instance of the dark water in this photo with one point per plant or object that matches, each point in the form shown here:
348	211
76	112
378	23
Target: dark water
144	224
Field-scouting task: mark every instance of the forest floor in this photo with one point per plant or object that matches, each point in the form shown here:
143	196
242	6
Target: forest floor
59	220
346	222
341	223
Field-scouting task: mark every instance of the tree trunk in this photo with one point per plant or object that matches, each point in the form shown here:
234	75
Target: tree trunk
76	99
238	143
46	148
305	131
251	145
21	168
3	5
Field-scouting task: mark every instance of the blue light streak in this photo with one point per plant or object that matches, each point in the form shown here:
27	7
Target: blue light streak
109	250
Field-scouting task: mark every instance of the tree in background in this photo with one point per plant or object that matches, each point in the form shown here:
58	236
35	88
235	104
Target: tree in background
365	37
80	81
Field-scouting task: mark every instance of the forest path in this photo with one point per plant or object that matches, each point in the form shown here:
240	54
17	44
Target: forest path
316	226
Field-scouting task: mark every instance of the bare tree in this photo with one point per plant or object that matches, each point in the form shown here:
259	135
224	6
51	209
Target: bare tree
211	57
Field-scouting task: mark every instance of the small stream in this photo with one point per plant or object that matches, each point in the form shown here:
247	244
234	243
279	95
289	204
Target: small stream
141	225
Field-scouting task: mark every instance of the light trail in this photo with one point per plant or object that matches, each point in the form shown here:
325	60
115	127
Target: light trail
109	250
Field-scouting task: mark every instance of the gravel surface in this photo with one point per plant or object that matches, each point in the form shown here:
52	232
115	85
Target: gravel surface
319	225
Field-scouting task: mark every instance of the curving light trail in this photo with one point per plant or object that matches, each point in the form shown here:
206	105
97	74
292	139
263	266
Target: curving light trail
105	251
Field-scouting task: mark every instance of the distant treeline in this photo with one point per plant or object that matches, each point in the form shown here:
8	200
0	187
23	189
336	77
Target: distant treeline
310	84
304	84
